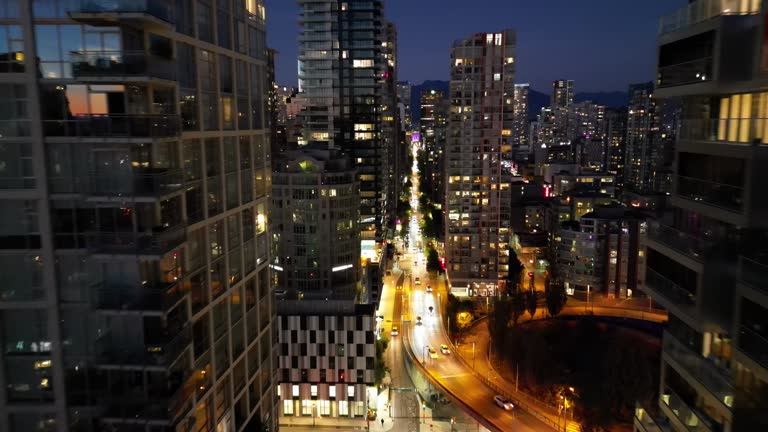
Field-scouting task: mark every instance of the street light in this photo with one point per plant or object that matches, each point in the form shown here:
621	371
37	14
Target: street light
313	413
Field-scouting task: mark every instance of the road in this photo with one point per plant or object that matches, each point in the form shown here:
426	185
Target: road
447	370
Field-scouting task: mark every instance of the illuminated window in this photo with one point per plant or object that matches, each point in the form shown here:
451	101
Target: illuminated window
313	390
366	63
489	39
363	135
332	391
510	60
295	390
351	391
344	54
497	77
363	126
288	407
498	39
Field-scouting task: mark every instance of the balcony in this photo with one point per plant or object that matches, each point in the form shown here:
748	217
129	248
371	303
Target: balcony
690	72
682	242
123	126
754	345
706	373
156	242
645	421
751	130
121	66
689	418
702	10
712	193
161	353
754	274
115	12
153	298
137	184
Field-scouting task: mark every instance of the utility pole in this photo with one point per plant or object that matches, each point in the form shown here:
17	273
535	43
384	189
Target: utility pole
517	376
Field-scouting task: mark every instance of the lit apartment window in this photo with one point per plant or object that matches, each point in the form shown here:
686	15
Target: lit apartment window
332	391
498	39
363	126
489	39
344	54
497	77
364	63
313	390
351	391
295	390
363	135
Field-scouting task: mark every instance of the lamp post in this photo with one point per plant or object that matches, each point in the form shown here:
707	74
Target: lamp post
473	355
314	406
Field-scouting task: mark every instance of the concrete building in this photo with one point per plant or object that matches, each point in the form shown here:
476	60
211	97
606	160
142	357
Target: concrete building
706	264
346	55
600	253
521	146
404	89
432	126
327	359
615	142
136	292
562	93
316	241
478	168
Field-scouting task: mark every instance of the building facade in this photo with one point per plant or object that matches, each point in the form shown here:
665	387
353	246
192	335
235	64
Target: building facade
345	50
404	89
562	93
478	165
706	264
432	125
521	125
134	188
316	241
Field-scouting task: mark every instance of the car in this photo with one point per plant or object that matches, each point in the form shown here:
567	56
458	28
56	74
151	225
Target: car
432	352
394	331
444	349
429	288
418	320
503	402
418	281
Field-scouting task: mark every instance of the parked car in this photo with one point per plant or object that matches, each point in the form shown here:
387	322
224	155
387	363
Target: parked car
444	349
503	402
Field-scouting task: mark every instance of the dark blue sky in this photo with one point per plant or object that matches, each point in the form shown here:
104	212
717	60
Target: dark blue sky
602	44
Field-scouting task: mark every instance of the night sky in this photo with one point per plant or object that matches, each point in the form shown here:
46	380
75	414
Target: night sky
602	44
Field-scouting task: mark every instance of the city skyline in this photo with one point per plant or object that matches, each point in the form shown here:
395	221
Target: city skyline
618	39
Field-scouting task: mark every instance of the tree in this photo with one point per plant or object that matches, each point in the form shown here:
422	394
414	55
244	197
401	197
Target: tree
555	297
498	321
433	261
380	365
514	273
531	302
518	305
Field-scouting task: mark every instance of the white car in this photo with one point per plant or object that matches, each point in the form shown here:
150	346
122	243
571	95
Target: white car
394	331
444	349
503	402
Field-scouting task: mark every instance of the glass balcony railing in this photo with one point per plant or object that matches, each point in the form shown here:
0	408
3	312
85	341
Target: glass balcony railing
162	352
754	273
753	130
649	421
692	420
702	10
154	242
153	184
684	243
712	193
157	297
106	64
161	9
694	71
714	378
754	345
114	126
663	287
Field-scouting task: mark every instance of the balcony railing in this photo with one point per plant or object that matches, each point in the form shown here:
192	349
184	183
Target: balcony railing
712	193
648	422
751	130
137	184
671	291
684	243
754	345
100	64
714	378
161	353
114	126
156	297
702	10
690	72
161	9
155	242
754	273
693	421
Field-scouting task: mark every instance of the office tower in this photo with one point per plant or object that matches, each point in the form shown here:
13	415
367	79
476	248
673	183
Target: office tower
390	124
404	89
562	93
615	138
520	127
432	125
707	263
342	62
599	254
134	194
478	171
314	218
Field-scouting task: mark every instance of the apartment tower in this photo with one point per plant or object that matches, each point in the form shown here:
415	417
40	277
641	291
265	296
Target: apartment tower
478	161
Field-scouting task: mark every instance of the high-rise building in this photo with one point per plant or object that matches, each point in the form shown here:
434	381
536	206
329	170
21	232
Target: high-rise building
134	181
707	263
562	93
346	59
478	166
390	125
615	140
432	125
521	126
404	89
315	237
